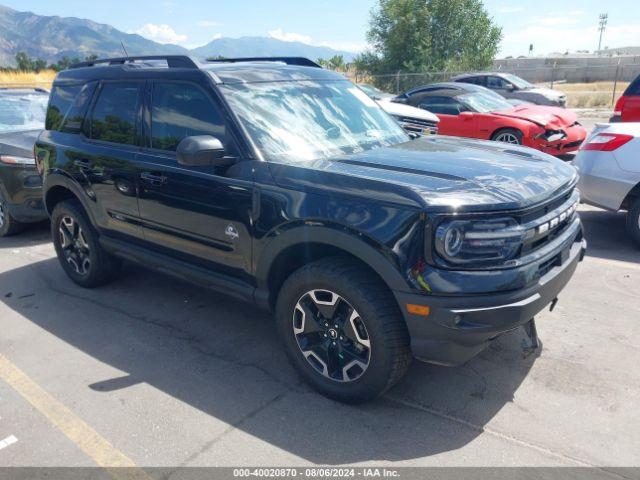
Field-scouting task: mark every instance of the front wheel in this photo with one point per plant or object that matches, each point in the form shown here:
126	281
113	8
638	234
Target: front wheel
633	221
508	135
342	330
8	225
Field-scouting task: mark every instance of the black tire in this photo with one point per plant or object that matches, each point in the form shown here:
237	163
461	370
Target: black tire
633	221
8	225
389	353
503	133
92	266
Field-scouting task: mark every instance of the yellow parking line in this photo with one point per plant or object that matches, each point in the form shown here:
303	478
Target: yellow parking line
77	430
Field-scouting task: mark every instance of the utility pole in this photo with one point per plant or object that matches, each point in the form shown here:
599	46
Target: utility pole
602	24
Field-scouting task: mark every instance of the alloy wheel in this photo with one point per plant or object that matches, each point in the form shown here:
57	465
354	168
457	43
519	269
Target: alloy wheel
507	137
331	335
74	245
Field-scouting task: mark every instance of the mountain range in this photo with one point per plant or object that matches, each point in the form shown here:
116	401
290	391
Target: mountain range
53	37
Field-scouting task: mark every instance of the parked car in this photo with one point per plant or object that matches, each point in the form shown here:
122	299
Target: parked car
463	87
512	86
627	107
22	114
413	120
477	115
609	166
285	186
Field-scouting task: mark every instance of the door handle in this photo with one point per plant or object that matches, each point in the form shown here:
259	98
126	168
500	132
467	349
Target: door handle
153	178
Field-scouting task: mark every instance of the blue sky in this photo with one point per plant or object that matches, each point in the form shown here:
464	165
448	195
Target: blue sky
551	25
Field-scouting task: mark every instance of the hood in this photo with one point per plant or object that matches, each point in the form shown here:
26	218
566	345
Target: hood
18	143
548	117
402	110
441	173
545	92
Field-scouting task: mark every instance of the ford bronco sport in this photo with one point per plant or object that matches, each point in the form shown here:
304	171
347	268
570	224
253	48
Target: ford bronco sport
283	184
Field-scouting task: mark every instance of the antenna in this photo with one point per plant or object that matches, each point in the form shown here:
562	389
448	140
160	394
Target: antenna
124	49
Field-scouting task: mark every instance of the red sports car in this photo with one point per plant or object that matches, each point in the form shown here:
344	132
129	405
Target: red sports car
477	114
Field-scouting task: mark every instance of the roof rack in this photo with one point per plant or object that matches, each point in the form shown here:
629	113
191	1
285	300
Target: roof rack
300	61
173	61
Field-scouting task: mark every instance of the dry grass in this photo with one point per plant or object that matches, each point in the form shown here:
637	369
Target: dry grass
42	79
590	95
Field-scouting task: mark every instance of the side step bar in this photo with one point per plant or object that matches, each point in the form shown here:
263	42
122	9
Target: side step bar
177	268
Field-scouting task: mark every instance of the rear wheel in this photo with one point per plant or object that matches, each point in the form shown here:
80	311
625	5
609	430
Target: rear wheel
79	251
342	330
508	135
633	221
8	225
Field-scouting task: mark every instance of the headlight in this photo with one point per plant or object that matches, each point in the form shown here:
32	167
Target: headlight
479	243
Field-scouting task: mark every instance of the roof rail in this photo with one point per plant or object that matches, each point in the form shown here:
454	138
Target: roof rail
300	61
173	61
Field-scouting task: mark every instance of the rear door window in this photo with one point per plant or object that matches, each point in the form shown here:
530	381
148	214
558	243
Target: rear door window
115	114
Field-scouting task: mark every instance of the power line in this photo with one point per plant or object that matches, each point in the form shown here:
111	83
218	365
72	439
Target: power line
602	25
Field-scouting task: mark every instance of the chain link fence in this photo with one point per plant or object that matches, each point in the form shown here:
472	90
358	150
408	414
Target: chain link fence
586	86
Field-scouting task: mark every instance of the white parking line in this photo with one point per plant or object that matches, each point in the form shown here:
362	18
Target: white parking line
7	441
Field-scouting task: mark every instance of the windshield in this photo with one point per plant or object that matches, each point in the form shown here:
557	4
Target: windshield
517	81
22	111
307	120
483	103
374	92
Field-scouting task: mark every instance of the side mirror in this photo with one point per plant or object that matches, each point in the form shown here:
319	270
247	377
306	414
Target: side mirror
400	99
202	150
511	87
466	115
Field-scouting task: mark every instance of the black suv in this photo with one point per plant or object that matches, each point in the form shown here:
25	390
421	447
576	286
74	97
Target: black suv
283	184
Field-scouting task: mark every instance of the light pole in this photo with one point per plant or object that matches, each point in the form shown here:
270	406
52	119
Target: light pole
602	24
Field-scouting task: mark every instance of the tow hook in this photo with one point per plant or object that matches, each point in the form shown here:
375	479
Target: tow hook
531	344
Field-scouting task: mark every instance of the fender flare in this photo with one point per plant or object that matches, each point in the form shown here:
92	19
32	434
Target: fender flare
57	179
352	243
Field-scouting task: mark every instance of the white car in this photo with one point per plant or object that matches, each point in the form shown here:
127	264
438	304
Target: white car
411	118
609	167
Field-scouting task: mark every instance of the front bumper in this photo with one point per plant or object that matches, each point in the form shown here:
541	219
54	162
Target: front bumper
459	327
21	188
576	134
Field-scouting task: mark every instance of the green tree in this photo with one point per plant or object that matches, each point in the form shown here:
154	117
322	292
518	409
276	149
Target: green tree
336	63
27	64
428	36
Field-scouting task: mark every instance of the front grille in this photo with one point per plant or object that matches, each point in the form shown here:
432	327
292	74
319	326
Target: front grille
546	223
418	125
572	144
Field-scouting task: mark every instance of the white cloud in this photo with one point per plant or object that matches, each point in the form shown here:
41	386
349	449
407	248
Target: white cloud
207	23
279	34
575	13
160	33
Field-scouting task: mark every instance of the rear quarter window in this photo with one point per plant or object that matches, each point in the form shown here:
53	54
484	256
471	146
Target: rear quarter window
60	100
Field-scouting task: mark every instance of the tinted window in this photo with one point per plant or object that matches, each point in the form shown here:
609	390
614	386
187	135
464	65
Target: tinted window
496	82
114	114
442	105
72	122
634	87
62	97
474	80
180	110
